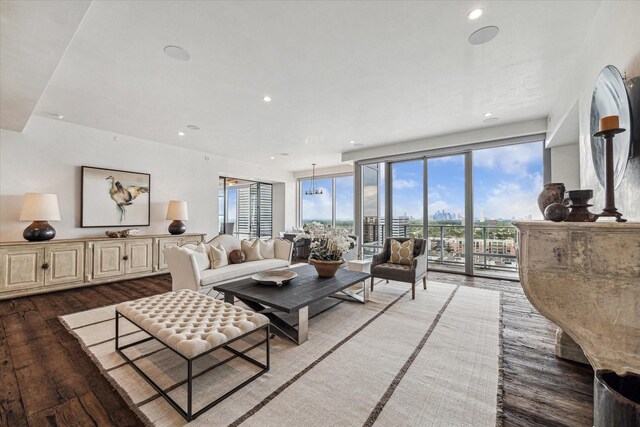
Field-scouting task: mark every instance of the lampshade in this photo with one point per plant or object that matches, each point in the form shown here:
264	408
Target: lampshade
40	207
177	210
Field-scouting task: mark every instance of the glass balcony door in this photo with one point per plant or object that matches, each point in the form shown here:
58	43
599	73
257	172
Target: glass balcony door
373	208
506	182
407	199
446	213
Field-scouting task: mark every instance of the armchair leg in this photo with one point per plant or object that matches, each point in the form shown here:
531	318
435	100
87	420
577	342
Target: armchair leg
413	290
371	283
424	282
387	280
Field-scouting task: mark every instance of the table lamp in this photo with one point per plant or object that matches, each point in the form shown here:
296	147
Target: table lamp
39	208
177	211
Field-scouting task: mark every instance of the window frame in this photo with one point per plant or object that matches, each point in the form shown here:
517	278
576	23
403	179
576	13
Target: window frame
299	198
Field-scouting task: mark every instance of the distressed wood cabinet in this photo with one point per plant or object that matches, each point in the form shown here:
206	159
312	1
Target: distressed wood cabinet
36	267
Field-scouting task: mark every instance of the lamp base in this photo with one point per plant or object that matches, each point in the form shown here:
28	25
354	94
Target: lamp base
39	231
177	227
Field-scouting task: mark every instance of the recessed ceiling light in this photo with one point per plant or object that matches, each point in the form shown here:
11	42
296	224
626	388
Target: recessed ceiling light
176	52
352	142
56	115
490	120
284	154
475	14
267	98
180	133
272	158
193	127
487	115
483	35
116	139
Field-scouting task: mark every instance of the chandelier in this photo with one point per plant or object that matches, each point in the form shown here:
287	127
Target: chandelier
314	186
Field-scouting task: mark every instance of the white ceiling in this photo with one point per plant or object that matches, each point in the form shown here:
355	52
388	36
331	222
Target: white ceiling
373	72
33	38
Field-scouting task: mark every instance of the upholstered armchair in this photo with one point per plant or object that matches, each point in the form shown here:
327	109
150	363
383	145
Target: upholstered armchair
381	268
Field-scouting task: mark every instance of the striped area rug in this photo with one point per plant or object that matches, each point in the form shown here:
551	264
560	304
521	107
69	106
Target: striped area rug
432	361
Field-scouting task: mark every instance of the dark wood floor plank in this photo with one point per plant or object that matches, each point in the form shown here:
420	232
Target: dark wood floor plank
67	389
11	410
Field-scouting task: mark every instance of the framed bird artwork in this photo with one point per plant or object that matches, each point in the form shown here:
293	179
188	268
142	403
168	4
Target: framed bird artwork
114	198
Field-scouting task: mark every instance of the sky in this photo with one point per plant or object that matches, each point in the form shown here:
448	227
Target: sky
507	181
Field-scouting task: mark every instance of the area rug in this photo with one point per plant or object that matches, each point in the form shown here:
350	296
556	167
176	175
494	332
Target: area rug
432	361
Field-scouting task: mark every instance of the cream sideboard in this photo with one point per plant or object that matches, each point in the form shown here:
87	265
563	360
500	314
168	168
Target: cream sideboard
35	267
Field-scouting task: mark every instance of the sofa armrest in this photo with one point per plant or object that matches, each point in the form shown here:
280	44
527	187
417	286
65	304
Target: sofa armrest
183	268
419	264
378	259
283	249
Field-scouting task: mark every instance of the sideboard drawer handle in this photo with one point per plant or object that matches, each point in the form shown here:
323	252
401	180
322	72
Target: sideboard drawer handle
126	257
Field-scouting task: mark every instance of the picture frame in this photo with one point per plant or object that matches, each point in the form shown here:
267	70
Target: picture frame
114	198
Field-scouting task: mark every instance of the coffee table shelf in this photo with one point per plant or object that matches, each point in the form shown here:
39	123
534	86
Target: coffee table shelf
294	297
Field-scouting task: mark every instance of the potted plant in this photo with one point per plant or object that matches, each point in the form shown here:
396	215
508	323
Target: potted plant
327	245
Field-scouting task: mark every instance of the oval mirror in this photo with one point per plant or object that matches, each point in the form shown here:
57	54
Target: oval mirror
610	98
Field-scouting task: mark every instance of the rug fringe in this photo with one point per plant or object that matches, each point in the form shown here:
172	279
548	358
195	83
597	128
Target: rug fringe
121	391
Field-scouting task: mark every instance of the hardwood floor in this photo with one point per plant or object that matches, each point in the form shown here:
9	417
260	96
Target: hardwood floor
47	379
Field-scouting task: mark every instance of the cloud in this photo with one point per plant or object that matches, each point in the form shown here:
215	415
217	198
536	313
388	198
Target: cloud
401	184
512	159
513	199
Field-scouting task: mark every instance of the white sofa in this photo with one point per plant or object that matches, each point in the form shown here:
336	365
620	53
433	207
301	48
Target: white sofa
185	273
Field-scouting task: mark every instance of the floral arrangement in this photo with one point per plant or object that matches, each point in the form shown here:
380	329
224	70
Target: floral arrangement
327	243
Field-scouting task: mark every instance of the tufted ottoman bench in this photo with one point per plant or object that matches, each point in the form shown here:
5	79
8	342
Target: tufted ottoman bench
192	325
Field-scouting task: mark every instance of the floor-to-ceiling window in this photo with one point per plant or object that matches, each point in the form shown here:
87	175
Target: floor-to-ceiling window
316	201
506	182
246	208
328	200
446	206
472	195
373	208
344	203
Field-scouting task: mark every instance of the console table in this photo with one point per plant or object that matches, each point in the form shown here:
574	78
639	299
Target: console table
36	267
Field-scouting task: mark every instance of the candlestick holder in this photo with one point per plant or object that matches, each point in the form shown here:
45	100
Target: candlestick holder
610	202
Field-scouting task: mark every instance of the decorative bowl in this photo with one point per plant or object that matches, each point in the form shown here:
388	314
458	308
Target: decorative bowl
275	277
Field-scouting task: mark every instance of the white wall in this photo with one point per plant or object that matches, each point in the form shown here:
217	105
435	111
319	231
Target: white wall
46	158
565	165
613	39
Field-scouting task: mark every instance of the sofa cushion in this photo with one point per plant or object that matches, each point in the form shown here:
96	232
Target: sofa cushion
251	250
267	248
219	256
390	271
236	271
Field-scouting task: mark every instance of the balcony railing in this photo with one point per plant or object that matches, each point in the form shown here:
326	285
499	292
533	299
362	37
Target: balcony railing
493	245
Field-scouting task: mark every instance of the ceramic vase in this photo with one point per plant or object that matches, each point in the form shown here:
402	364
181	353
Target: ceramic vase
551	193
326	268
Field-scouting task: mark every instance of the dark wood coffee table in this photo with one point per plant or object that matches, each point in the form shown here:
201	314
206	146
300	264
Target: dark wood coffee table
294	297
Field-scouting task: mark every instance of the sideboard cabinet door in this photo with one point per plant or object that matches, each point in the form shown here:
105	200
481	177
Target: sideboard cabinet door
109	259
139	256
66	263
21	268
168	242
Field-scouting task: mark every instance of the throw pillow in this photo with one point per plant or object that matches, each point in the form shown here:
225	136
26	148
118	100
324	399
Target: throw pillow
219	255
202	257
267	248
251	250
401	253
236	256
